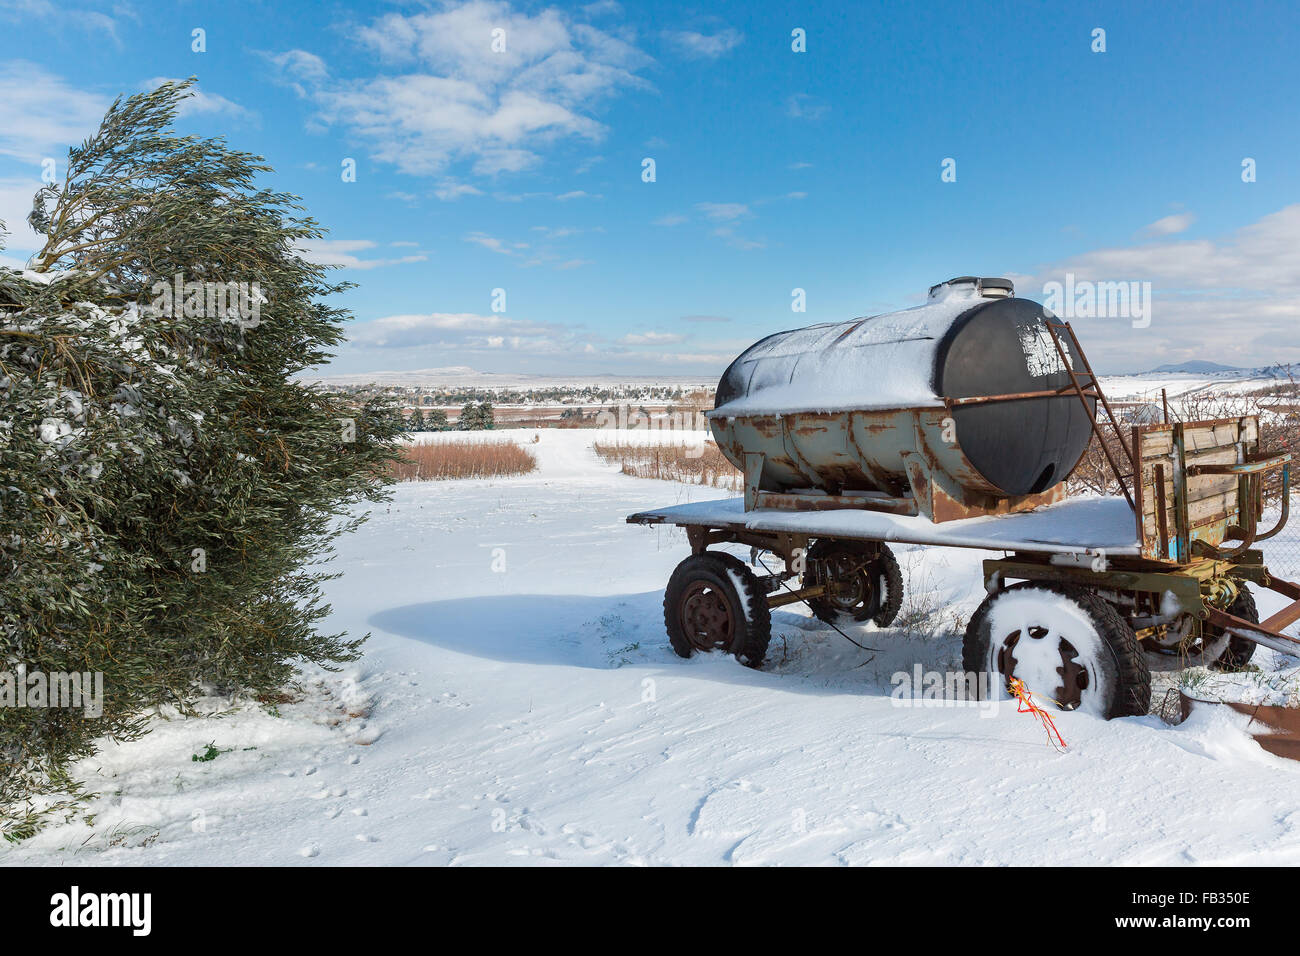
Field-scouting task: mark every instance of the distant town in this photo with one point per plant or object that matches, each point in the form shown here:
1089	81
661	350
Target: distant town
434	408
461	398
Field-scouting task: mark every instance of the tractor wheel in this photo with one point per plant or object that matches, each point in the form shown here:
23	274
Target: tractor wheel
1239	650
714	602
865	582
1065	644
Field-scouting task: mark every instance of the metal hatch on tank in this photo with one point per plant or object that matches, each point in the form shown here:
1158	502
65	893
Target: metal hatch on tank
963	406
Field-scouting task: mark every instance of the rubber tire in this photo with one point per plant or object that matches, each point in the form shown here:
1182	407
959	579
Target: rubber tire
753	631
1131	676
881	614
1239	650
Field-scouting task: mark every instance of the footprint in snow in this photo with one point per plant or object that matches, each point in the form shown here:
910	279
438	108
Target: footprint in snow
367	737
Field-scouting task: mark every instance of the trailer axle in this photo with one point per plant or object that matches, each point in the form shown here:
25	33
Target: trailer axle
782	598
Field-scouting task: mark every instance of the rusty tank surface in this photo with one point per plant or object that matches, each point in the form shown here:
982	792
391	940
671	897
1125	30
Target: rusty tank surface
963	406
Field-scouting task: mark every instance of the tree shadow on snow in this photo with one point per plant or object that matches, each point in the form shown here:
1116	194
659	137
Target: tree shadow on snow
625	630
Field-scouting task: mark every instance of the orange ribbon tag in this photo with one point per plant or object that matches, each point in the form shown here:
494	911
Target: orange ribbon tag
1025	705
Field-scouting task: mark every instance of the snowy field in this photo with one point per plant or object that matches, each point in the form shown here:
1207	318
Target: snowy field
518	703
1147	385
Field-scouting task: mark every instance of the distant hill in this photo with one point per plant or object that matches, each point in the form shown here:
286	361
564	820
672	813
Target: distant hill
1199	367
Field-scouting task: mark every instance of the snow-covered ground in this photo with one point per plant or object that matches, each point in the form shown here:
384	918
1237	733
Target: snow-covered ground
1147	385
518	703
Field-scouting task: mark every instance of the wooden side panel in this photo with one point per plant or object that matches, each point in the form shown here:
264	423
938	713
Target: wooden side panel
1210	503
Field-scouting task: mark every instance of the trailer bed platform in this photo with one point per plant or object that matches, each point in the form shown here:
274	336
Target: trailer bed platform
1081	525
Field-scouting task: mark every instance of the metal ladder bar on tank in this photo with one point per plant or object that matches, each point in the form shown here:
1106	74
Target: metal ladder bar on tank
1097	393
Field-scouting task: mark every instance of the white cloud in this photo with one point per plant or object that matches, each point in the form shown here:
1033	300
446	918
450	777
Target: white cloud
718	360
15	203
494	244
1234	299
706	46
300	70
446	97
61	17
729	234
528	255
465	337
465	330
301	64
651	338
41	115
727	215
199	101
673	219
803	106
450	190
341	252
723	211
1170	225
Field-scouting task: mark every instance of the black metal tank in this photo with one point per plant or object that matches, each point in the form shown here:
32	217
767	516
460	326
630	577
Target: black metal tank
972	339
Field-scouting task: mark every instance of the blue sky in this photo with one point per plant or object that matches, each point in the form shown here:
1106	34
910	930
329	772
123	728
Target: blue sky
774	170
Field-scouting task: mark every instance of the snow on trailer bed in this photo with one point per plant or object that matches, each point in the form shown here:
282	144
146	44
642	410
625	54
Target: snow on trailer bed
1083	525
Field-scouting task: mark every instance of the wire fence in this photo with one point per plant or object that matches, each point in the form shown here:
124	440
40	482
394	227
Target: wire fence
1282	553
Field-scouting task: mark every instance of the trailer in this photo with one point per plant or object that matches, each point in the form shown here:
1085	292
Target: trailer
1083	586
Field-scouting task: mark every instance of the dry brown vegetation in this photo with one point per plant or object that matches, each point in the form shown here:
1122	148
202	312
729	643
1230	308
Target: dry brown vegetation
1093	474
691	463
437	461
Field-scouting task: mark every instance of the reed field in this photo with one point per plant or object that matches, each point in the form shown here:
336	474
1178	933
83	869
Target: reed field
692	463
463	458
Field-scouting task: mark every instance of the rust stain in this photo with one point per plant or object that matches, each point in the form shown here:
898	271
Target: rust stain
944	507
787	501
1275	729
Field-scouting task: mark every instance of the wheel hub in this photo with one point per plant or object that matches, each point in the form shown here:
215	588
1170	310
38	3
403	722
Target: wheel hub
1035	657
706	617
850	585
